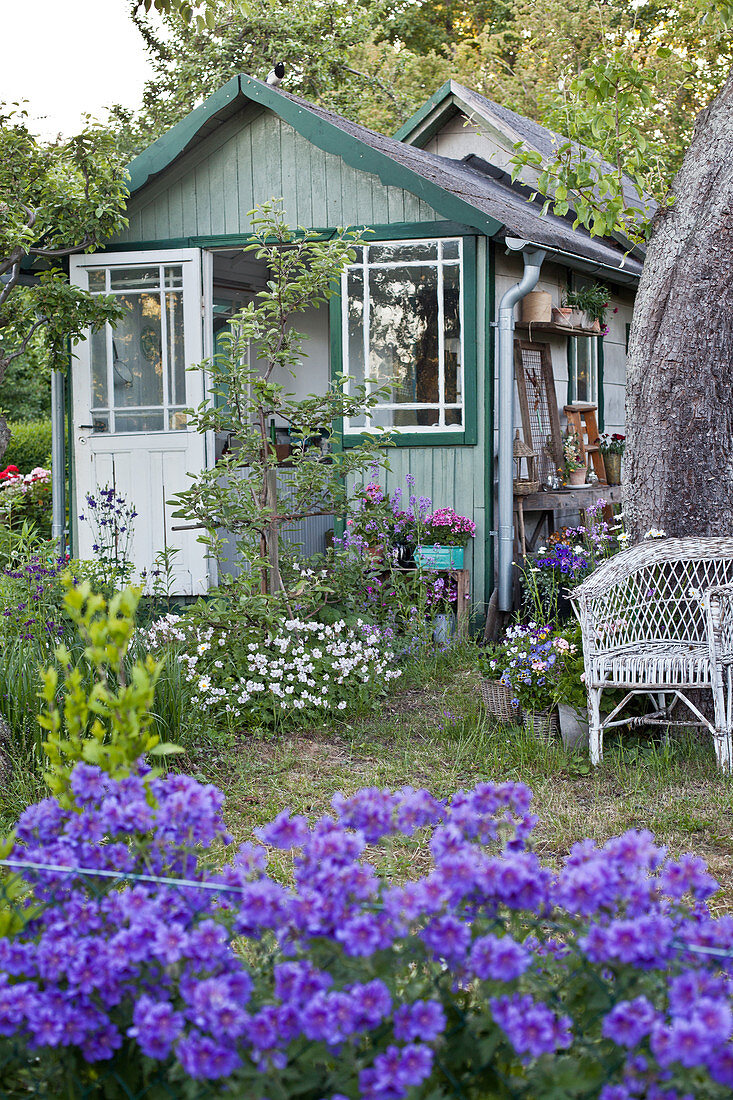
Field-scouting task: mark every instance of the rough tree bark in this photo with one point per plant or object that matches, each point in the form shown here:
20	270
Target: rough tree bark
679	404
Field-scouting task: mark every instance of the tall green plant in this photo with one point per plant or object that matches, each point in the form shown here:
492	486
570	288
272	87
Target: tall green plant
241	493
109	725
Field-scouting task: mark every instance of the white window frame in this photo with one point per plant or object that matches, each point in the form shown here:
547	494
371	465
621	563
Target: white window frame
593	356
364	265
85	266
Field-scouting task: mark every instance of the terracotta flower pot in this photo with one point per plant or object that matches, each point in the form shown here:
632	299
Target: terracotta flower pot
577	477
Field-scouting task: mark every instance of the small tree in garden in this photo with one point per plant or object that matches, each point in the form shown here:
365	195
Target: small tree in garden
241	494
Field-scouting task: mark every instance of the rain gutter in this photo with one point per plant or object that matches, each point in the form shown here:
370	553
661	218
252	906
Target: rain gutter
532	257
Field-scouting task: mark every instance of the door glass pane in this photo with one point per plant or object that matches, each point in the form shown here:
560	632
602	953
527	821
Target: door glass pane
139	421
177	420
176	357
98	355
96	281
403	336
136	362
174	276
134	278
452	333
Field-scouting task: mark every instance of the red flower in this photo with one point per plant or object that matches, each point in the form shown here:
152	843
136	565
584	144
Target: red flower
9	471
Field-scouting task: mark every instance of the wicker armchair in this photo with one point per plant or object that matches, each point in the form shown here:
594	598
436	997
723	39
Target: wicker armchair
657	620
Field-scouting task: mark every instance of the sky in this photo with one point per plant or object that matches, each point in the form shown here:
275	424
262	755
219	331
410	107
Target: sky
69	57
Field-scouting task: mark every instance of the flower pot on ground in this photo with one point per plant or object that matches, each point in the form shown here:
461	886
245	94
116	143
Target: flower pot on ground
544	725
573	725
444	627
497	699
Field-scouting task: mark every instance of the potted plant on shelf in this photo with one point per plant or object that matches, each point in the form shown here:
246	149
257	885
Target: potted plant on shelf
575	464
588	305
444	537
612	449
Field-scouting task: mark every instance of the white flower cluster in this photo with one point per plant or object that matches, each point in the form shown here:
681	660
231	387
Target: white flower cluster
305	666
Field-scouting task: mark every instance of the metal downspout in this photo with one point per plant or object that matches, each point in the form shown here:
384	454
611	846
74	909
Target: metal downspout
58	462
533	258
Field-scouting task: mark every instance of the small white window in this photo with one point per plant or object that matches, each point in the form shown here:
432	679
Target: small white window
402	327
584	370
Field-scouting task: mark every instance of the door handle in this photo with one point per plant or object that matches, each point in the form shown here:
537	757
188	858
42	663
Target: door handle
90	426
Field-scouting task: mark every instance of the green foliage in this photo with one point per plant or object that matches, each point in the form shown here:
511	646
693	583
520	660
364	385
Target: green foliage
29	446
55	200
110	725
593	300
240	493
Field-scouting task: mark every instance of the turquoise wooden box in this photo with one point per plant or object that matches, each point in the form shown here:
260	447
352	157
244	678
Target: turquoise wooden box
439	557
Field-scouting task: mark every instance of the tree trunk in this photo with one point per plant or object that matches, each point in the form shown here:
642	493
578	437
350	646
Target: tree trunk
4	436
679	403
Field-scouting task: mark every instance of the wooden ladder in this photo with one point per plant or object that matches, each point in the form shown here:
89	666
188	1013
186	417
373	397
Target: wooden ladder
582	420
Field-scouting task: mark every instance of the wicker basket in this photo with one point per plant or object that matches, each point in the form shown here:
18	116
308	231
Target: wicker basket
497	698
523	488
542	724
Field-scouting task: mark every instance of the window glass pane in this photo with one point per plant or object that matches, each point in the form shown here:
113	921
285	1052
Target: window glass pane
174	276
585	369
452	333
358	421
403	253
176	357
177	420
403	335
453	417
139	422
134	278
96	280
98	356
406	418
136	362
355	324
450	250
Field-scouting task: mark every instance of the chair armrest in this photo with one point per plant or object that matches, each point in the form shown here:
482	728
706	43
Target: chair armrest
718	606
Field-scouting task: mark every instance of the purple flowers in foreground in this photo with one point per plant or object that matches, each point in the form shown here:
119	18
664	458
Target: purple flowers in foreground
361	985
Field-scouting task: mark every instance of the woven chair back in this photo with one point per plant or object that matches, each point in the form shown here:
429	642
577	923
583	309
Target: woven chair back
653	594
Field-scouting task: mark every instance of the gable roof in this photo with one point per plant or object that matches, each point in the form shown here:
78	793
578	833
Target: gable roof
453	98
458	190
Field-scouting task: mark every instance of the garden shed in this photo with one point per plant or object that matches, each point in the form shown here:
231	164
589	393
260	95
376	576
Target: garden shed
419	309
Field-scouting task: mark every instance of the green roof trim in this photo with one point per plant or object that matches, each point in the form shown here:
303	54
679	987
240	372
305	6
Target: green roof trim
437	99
161	153
322	133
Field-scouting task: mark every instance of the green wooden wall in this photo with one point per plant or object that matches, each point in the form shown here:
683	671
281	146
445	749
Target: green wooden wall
252	157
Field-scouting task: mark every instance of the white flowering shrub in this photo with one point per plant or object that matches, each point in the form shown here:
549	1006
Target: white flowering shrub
303	669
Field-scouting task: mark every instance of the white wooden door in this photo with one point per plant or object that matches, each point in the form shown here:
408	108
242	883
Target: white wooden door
131	385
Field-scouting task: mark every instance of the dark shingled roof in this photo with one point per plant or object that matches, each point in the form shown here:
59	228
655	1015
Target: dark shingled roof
497	197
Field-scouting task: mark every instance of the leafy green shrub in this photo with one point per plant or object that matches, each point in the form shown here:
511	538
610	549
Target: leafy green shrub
29	446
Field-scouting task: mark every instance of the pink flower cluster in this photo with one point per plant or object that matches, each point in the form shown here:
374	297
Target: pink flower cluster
446	519
11	478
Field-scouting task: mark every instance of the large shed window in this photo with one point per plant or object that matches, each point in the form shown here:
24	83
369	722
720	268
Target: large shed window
402	317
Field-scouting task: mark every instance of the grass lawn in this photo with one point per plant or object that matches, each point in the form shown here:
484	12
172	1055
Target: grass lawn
435	734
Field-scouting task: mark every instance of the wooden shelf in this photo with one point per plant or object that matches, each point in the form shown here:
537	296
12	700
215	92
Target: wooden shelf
569	500
546	328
